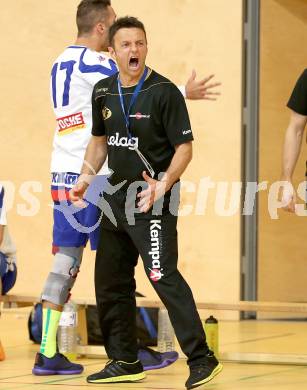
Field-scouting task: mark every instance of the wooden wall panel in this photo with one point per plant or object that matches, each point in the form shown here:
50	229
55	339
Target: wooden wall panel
282	261
183	34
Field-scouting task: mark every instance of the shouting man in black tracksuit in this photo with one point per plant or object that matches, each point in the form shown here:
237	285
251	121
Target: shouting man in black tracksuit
140	121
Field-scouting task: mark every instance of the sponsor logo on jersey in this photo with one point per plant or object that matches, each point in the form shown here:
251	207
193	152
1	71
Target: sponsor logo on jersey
185	132
61	183
64	179
106	113
139	116
68	124
125	142
155	247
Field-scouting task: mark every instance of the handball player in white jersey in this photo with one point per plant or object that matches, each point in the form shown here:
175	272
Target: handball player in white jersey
73	76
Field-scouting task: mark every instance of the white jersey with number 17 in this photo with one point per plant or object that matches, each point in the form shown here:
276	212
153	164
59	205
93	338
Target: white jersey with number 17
73	76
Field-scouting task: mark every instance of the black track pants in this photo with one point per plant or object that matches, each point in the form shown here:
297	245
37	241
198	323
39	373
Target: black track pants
155	239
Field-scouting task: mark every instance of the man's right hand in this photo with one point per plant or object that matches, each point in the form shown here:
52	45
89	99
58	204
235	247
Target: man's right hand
289	197
76	194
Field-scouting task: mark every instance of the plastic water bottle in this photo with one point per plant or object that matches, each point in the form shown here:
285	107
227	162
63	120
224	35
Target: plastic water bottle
211	328
67	331
166	336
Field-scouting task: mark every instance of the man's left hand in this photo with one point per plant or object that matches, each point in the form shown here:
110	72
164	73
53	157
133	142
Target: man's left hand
154	191
289	198
202	89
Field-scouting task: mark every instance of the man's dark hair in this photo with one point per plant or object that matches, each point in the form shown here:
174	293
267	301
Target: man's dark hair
89	13
125	22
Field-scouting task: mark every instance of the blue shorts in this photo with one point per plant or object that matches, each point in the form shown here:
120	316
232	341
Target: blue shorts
72	226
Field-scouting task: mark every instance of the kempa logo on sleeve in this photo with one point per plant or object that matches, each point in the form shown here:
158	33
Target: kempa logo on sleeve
155	234
185	132
125	142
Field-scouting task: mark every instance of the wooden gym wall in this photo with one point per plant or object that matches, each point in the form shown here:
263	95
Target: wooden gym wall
183	34
282	264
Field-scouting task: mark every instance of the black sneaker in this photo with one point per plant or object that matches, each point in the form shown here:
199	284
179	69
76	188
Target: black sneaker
118	371
203	373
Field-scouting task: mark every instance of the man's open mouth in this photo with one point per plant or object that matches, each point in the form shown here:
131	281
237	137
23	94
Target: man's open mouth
133	62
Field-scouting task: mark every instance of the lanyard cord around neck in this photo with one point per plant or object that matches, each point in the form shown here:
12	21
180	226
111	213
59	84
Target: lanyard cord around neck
127	116
133	99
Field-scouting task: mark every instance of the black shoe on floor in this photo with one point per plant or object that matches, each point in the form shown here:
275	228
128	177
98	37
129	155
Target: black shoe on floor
118	371
203	373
